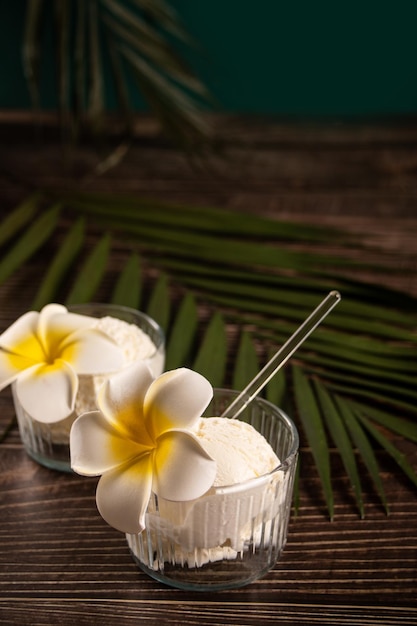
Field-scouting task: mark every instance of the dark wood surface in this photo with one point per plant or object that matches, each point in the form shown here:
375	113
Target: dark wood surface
59	562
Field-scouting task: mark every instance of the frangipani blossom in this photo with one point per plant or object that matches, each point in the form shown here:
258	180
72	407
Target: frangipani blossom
141	440
45	352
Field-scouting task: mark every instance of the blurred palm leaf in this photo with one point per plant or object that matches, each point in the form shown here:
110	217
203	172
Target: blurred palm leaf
352	384
182	333
108	50
127	290
247	364
159	305
90	274
30	242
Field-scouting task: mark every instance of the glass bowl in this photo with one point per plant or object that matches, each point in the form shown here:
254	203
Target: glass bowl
48	444
234	534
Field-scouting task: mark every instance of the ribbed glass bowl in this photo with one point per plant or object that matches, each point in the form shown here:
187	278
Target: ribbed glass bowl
234	534
48	444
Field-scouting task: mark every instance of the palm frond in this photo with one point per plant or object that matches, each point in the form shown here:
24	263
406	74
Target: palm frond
211	358
60	265
90	274
18	218
127	290
340	436
182	333
352	382
247	363
392	450
159	306
30	241
125	41
363	446
311	418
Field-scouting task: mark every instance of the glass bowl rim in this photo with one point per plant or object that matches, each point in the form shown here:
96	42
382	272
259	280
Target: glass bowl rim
73	308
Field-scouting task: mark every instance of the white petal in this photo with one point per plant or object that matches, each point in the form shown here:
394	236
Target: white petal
182	468
91	351
176	399
121	400
123	495
20	338
57	319
47	392
56	325
45	323
97	446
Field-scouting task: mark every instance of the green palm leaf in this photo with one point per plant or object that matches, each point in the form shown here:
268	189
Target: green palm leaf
211	356
247	364
90	274
355	378
396	454
127	290
18	218
313	426
60	265
392	422
31	240
276	390
159	306
341	439
182	333
363	445
146	42
207	219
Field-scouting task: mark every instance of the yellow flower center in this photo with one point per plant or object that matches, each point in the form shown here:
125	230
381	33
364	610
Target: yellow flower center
26	352
30	351
133	438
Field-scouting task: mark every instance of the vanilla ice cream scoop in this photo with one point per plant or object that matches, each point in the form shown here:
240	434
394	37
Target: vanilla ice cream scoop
241	453
226	517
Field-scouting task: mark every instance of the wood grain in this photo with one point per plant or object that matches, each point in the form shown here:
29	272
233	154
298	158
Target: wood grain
59	562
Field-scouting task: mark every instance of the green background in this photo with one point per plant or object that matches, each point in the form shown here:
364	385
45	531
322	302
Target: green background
299	58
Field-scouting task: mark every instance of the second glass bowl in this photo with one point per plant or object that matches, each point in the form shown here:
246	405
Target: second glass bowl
48	444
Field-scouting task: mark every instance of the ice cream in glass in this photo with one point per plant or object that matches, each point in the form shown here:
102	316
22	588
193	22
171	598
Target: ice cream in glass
57	359
204	500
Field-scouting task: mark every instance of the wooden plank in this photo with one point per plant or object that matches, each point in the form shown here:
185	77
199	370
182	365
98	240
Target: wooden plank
59	562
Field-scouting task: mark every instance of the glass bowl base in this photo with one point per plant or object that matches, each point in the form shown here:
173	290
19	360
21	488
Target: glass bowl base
217	576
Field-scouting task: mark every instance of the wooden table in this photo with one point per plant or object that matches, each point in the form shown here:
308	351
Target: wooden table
60	562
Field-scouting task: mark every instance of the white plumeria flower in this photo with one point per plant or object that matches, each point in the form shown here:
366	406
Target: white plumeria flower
142	440
45	352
